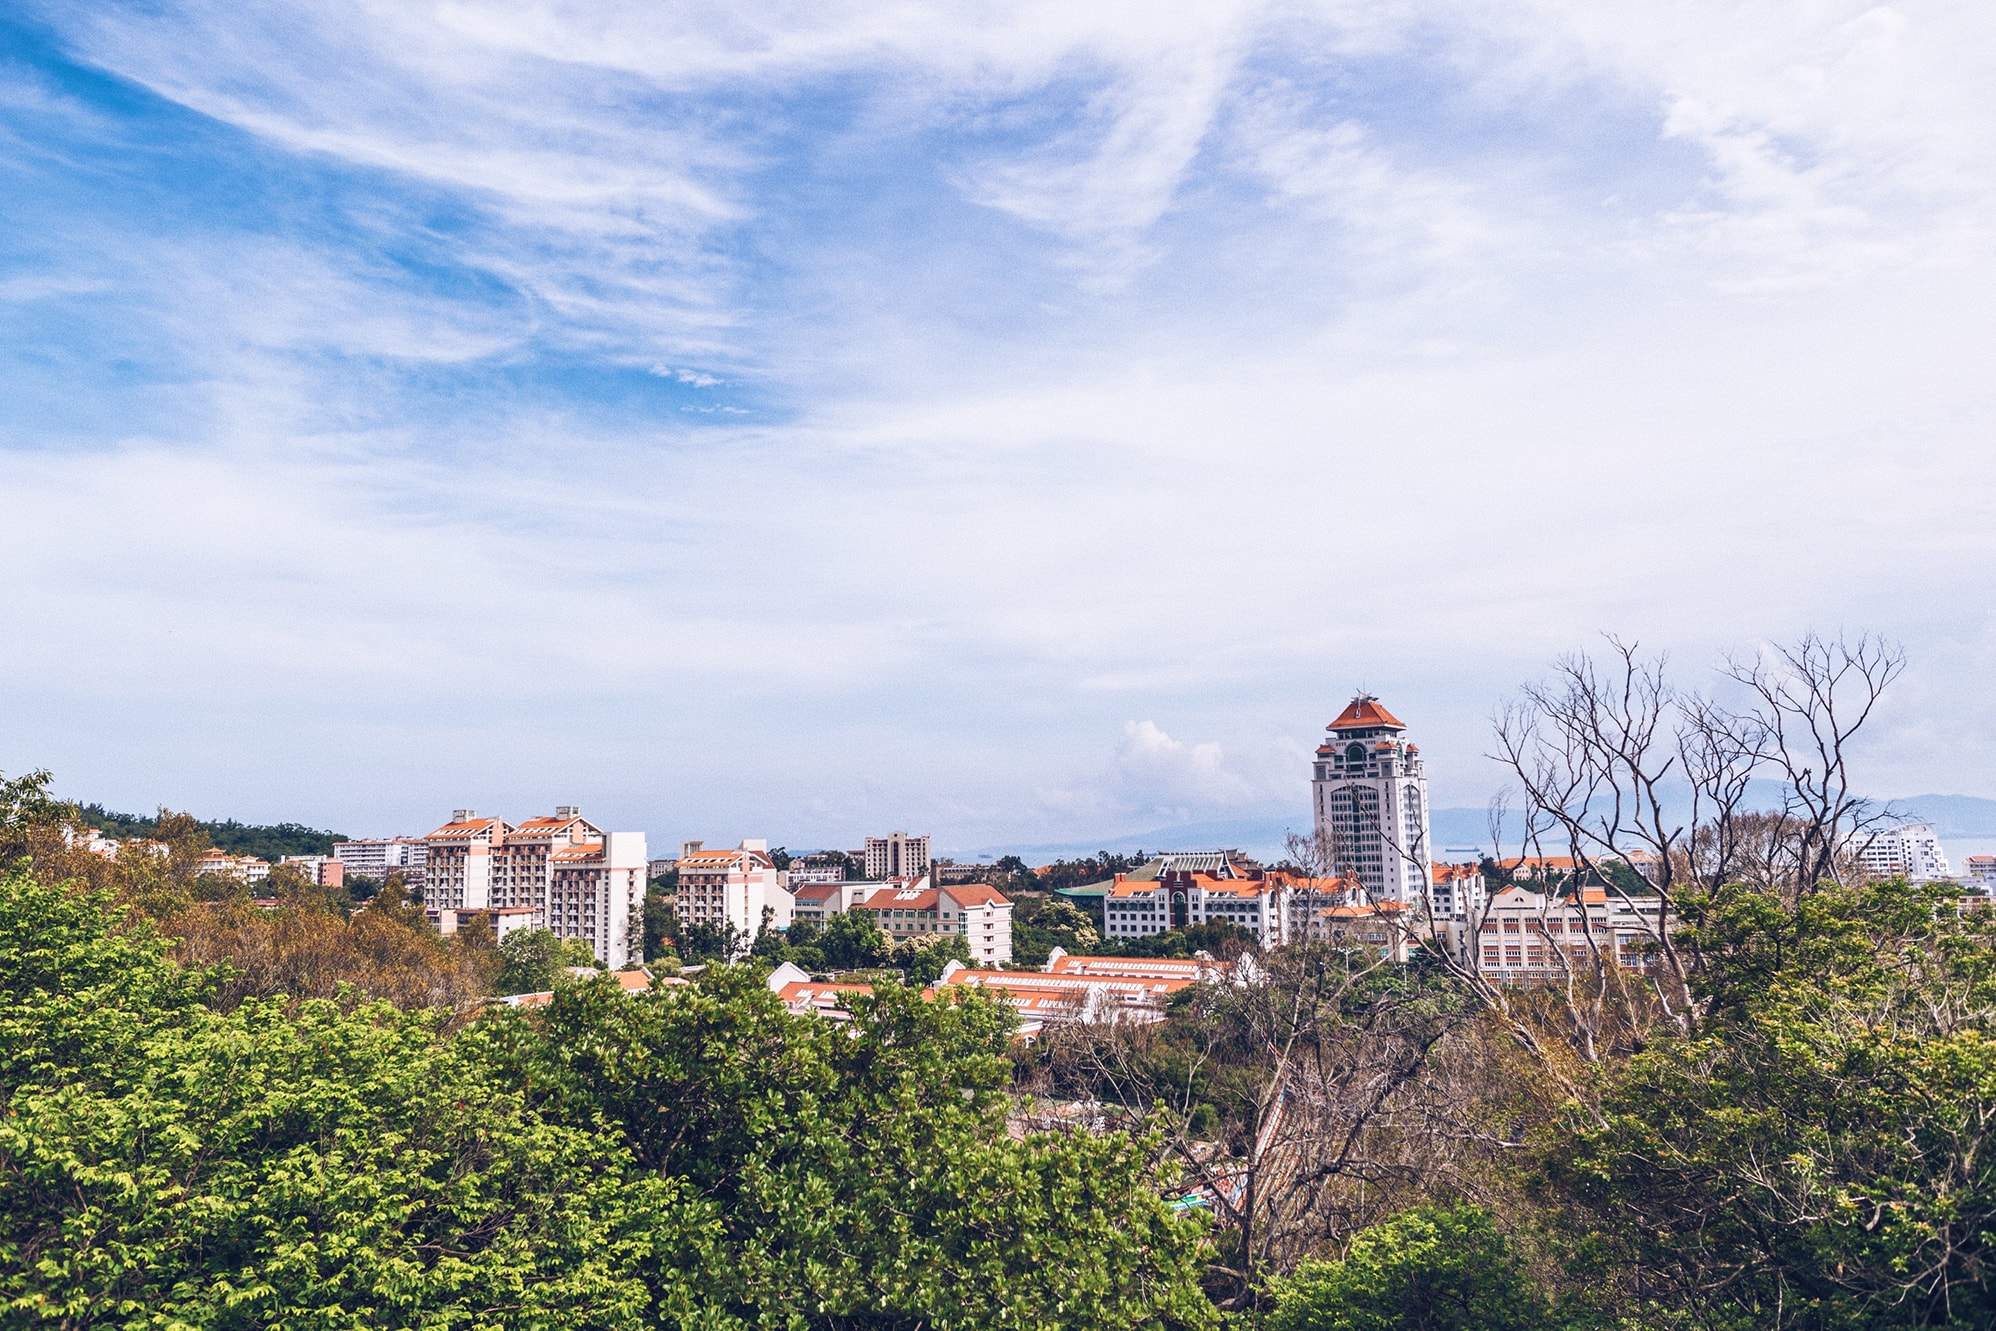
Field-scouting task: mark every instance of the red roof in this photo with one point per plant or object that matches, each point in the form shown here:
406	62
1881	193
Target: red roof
1365	711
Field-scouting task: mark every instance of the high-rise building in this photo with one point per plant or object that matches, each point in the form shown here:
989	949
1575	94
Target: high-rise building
1372	804
1911	849
739	890
896	855
377	857
580	881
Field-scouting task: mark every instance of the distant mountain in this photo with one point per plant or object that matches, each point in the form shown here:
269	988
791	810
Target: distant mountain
1951	815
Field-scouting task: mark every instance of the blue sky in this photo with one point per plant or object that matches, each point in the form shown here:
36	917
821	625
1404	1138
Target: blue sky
1020	422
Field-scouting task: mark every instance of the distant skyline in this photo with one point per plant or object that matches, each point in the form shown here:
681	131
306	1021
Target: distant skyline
1023	423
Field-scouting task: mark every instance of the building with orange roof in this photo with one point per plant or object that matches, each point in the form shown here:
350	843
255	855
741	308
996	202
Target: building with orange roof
915	908
578	880
739	891
1043	998
1371	803
1176	891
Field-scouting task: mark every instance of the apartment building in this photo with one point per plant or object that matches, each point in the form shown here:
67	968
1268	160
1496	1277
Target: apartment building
735	889
1980	872
896	855
913	908
1911	849
578	880
377	857
1455	889
321	869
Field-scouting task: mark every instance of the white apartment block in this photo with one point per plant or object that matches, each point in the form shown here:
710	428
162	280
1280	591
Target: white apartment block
580	881
738	889
1372	803
1911	849
377	857
1454	890
1980	872
913	908
896	855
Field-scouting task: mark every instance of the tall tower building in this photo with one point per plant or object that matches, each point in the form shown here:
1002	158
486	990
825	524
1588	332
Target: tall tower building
1372	803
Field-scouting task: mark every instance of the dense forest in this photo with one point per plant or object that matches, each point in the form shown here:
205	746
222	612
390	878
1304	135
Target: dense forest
267	842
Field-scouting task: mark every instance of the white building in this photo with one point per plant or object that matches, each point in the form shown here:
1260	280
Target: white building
245	868
1454	890
1200	887
1372	803
913	908
580	881
739	889
1980	872
377	857
1527	937
896	855
1911	849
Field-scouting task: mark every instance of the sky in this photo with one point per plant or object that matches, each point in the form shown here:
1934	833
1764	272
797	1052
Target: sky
1019	422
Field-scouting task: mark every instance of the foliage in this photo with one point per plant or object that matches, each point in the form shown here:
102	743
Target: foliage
922	960
1820	1150
859	1174
330	1164
698	941
1054	924
1069	873
1219	938
531	958
1432	1268
265	841
852	940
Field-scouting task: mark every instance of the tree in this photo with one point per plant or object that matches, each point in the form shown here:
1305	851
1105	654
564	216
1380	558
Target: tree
1055	924
858	1173
532	958
922	960
660	927
852	941
1819	1149
323	1163
1431	1268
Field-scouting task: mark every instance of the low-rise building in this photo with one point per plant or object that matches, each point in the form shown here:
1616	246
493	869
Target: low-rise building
243	868
912	908
1979	871
1092	997
1523	937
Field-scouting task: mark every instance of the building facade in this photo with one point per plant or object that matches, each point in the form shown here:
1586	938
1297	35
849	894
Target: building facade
913	908
1911	849
377	857
577	880
1371	804
896	855
737	889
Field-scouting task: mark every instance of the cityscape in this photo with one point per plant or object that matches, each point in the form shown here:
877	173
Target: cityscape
1258	665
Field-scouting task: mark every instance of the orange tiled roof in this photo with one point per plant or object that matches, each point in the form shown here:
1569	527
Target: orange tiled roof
469	828
588	850
1364	712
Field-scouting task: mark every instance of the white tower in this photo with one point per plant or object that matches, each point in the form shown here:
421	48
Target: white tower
1372	803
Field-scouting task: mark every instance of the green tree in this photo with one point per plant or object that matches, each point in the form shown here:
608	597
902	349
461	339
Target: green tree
852	941
1429	1269
1820	1150
330	1163
922	960
531	958
659	922
859	1174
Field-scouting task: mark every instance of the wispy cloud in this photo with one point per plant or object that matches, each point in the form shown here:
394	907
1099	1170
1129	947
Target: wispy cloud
843	412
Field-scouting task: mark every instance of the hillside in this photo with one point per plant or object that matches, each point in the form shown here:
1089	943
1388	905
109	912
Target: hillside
265	841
